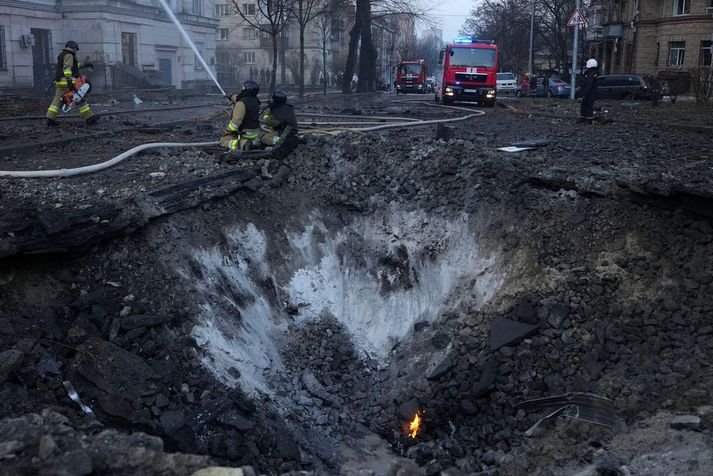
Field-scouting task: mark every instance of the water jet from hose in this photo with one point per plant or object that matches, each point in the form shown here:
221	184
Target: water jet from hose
190	42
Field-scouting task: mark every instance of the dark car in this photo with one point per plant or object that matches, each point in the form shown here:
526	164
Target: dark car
622	86
556	88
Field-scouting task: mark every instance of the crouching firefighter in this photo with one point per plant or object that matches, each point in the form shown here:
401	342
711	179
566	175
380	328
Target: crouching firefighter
66	76
275	119
244	125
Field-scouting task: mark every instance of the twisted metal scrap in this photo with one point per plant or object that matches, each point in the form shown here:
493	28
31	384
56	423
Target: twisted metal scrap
578	405
75	396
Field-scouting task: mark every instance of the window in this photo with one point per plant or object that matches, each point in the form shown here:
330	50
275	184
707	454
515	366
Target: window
484	57
681	7
249	57
3	53
705	57
198	7
676	52
336	30
221	10
128	48
198	64
248	33
658	52
221	33
248	9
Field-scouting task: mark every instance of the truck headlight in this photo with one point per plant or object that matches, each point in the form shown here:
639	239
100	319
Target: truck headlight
490	94
449	90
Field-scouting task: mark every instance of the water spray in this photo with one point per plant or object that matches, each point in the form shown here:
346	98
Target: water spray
190	42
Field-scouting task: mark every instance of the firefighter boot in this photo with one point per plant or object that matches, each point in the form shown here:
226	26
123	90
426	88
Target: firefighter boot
92	120
52	122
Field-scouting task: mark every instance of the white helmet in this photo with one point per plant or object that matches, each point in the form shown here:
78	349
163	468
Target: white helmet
592	63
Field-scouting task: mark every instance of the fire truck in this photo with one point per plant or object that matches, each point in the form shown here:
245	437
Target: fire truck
469	72
411	77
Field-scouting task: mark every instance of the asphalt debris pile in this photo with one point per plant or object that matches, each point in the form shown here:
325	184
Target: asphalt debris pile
594	273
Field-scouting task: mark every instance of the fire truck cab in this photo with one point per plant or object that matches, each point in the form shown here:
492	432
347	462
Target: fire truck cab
411	77
469	72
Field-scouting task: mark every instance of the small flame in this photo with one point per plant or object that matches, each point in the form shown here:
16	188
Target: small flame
415	425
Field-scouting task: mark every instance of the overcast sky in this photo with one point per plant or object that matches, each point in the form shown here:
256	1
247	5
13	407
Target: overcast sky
452	14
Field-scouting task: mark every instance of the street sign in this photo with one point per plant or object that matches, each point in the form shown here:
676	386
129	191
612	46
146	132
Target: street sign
576	19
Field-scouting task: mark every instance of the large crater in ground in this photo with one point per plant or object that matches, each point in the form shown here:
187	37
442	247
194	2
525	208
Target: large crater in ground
300	336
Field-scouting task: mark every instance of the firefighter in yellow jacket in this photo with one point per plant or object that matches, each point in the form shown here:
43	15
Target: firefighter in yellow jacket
65	76
244	125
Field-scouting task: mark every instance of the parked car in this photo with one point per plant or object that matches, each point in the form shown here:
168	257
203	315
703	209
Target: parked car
622	86
556	88
431	84
506	83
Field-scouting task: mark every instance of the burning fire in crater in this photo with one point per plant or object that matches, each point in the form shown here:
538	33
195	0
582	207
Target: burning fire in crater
415	425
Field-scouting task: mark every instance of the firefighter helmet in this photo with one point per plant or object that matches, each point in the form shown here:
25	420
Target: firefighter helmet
251	88
279	97
592	63
71	44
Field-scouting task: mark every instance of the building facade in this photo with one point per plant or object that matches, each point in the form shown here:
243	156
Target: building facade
130	41
245	52
650	36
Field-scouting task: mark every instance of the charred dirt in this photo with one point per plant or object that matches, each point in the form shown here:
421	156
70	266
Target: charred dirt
295	315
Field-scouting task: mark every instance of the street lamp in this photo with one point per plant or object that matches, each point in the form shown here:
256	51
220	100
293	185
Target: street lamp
532	31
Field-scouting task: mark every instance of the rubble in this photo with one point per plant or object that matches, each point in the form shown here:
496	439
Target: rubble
587	259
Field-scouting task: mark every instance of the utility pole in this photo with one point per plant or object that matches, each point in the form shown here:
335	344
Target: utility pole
532	32
575	46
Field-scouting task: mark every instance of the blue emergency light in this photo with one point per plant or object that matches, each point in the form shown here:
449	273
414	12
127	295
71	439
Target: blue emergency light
470	41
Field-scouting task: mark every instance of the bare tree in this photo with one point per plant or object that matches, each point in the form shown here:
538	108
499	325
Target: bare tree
503	21
552	20
428	48
407	42
305	12
269	17
506	20
360	37
324	39
292	62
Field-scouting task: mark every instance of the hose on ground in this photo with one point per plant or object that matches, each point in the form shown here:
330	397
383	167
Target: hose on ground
408	122
87	169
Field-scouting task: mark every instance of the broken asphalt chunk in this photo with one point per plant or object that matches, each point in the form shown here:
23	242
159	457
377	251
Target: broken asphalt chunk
441	368
686	422
140	320
504	332
10	361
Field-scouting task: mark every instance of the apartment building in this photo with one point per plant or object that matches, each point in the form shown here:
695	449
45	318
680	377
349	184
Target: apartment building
243	51
650	36
130	41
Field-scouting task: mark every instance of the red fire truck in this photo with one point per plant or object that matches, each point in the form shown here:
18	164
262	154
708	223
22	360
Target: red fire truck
411	77
469	72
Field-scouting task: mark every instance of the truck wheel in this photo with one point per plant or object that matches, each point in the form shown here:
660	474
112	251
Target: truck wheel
447	100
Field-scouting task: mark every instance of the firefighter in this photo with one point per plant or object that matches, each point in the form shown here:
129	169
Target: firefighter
65	76
244	125
589	92
273	121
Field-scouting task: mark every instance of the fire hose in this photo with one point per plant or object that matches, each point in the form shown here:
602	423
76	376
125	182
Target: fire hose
87	169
